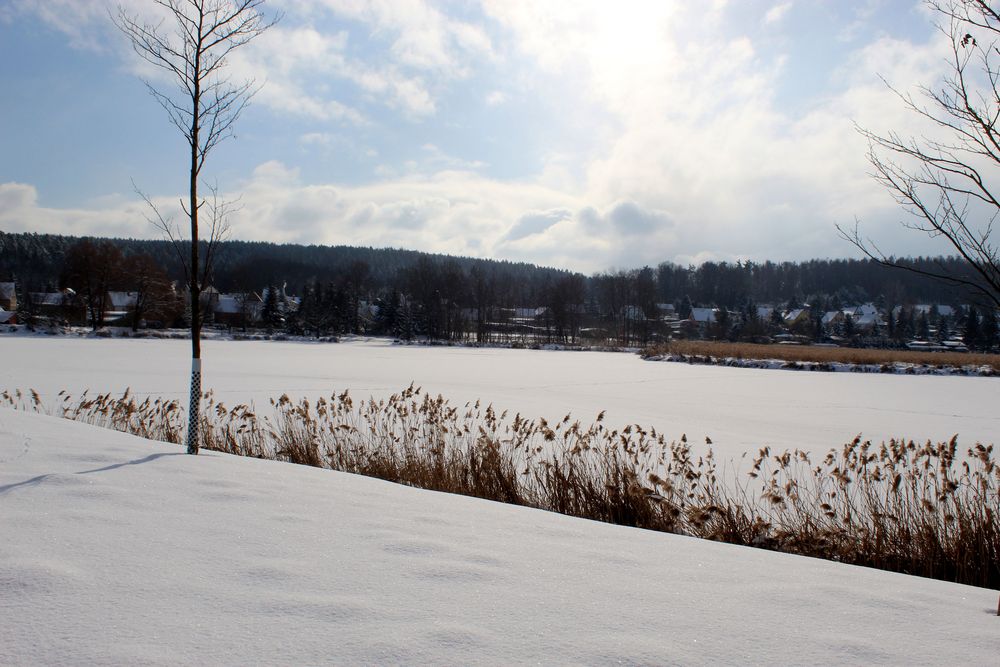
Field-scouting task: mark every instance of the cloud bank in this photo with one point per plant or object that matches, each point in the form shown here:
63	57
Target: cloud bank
696	143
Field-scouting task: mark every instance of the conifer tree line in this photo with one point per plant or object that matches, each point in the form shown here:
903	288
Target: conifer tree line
410	294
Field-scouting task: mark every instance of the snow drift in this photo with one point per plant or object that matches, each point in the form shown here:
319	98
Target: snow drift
119	550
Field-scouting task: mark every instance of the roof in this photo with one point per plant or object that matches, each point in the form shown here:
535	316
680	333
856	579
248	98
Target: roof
862	309
47	298
227	303
237	303
122	300
866	319
703	314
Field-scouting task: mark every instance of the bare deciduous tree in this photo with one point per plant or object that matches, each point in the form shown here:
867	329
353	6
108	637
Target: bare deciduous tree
153	294
93	270
949	181
192	48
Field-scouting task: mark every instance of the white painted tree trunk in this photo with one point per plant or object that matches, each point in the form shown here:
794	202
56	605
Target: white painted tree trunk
194	408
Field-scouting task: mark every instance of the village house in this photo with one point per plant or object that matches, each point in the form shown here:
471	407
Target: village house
703	316
864	317
237	310
58	305
8	296
832	318
120	306
796	316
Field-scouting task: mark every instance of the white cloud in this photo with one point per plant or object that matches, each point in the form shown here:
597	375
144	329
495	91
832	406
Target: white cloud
699	131
20	212
777	13
296	58
422	37
688	154
436	159
496	98
536	222
85	23
316	139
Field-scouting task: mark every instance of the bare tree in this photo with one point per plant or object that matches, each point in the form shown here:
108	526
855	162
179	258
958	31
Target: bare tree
93	270
950	182
153	293
205	104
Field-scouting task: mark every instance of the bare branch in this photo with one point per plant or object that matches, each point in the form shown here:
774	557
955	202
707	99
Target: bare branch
165	225
949	187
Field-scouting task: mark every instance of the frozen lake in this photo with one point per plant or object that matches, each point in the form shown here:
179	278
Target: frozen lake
740	409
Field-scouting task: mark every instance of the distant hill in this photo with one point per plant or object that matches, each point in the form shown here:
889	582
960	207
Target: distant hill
37	261
38	258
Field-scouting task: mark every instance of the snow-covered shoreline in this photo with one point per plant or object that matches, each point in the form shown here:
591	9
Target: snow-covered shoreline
899	368
119	550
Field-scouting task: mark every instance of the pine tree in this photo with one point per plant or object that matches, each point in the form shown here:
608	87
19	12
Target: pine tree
989	330
271	312
684	308
971	335
848	326
819	331
923	327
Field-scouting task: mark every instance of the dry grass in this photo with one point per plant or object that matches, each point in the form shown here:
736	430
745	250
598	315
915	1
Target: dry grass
923	509
808	353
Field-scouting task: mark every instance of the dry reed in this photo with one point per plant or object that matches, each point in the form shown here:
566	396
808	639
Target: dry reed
922	509
696	350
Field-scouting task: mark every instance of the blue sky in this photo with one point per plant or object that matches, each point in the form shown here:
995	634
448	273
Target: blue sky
580	134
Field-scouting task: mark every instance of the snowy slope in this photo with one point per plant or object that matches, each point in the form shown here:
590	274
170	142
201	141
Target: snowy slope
117	550
740	409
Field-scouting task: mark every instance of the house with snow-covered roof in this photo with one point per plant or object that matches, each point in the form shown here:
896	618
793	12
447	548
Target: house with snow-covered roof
703	315
832	317
796	316
8	296
529	313
64	304
237	309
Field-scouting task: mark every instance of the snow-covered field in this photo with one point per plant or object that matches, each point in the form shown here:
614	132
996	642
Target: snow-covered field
740	409
117	550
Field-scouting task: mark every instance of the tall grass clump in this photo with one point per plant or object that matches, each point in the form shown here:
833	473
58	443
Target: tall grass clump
155	419
926	509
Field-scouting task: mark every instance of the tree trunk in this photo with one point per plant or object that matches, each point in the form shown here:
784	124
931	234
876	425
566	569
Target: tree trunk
194	410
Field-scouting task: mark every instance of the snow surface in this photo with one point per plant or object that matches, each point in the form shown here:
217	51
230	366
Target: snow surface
740	409
118	550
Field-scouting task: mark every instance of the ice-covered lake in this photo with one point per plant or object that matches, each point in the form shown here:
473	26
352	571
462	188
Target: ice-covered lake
740	409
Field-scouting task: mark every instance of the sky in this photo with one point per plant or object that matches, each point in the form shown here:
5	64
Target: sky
581	134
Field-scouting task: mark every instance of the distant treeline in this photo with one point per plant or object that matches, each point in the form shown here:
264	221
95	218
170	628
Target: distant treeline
37	262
